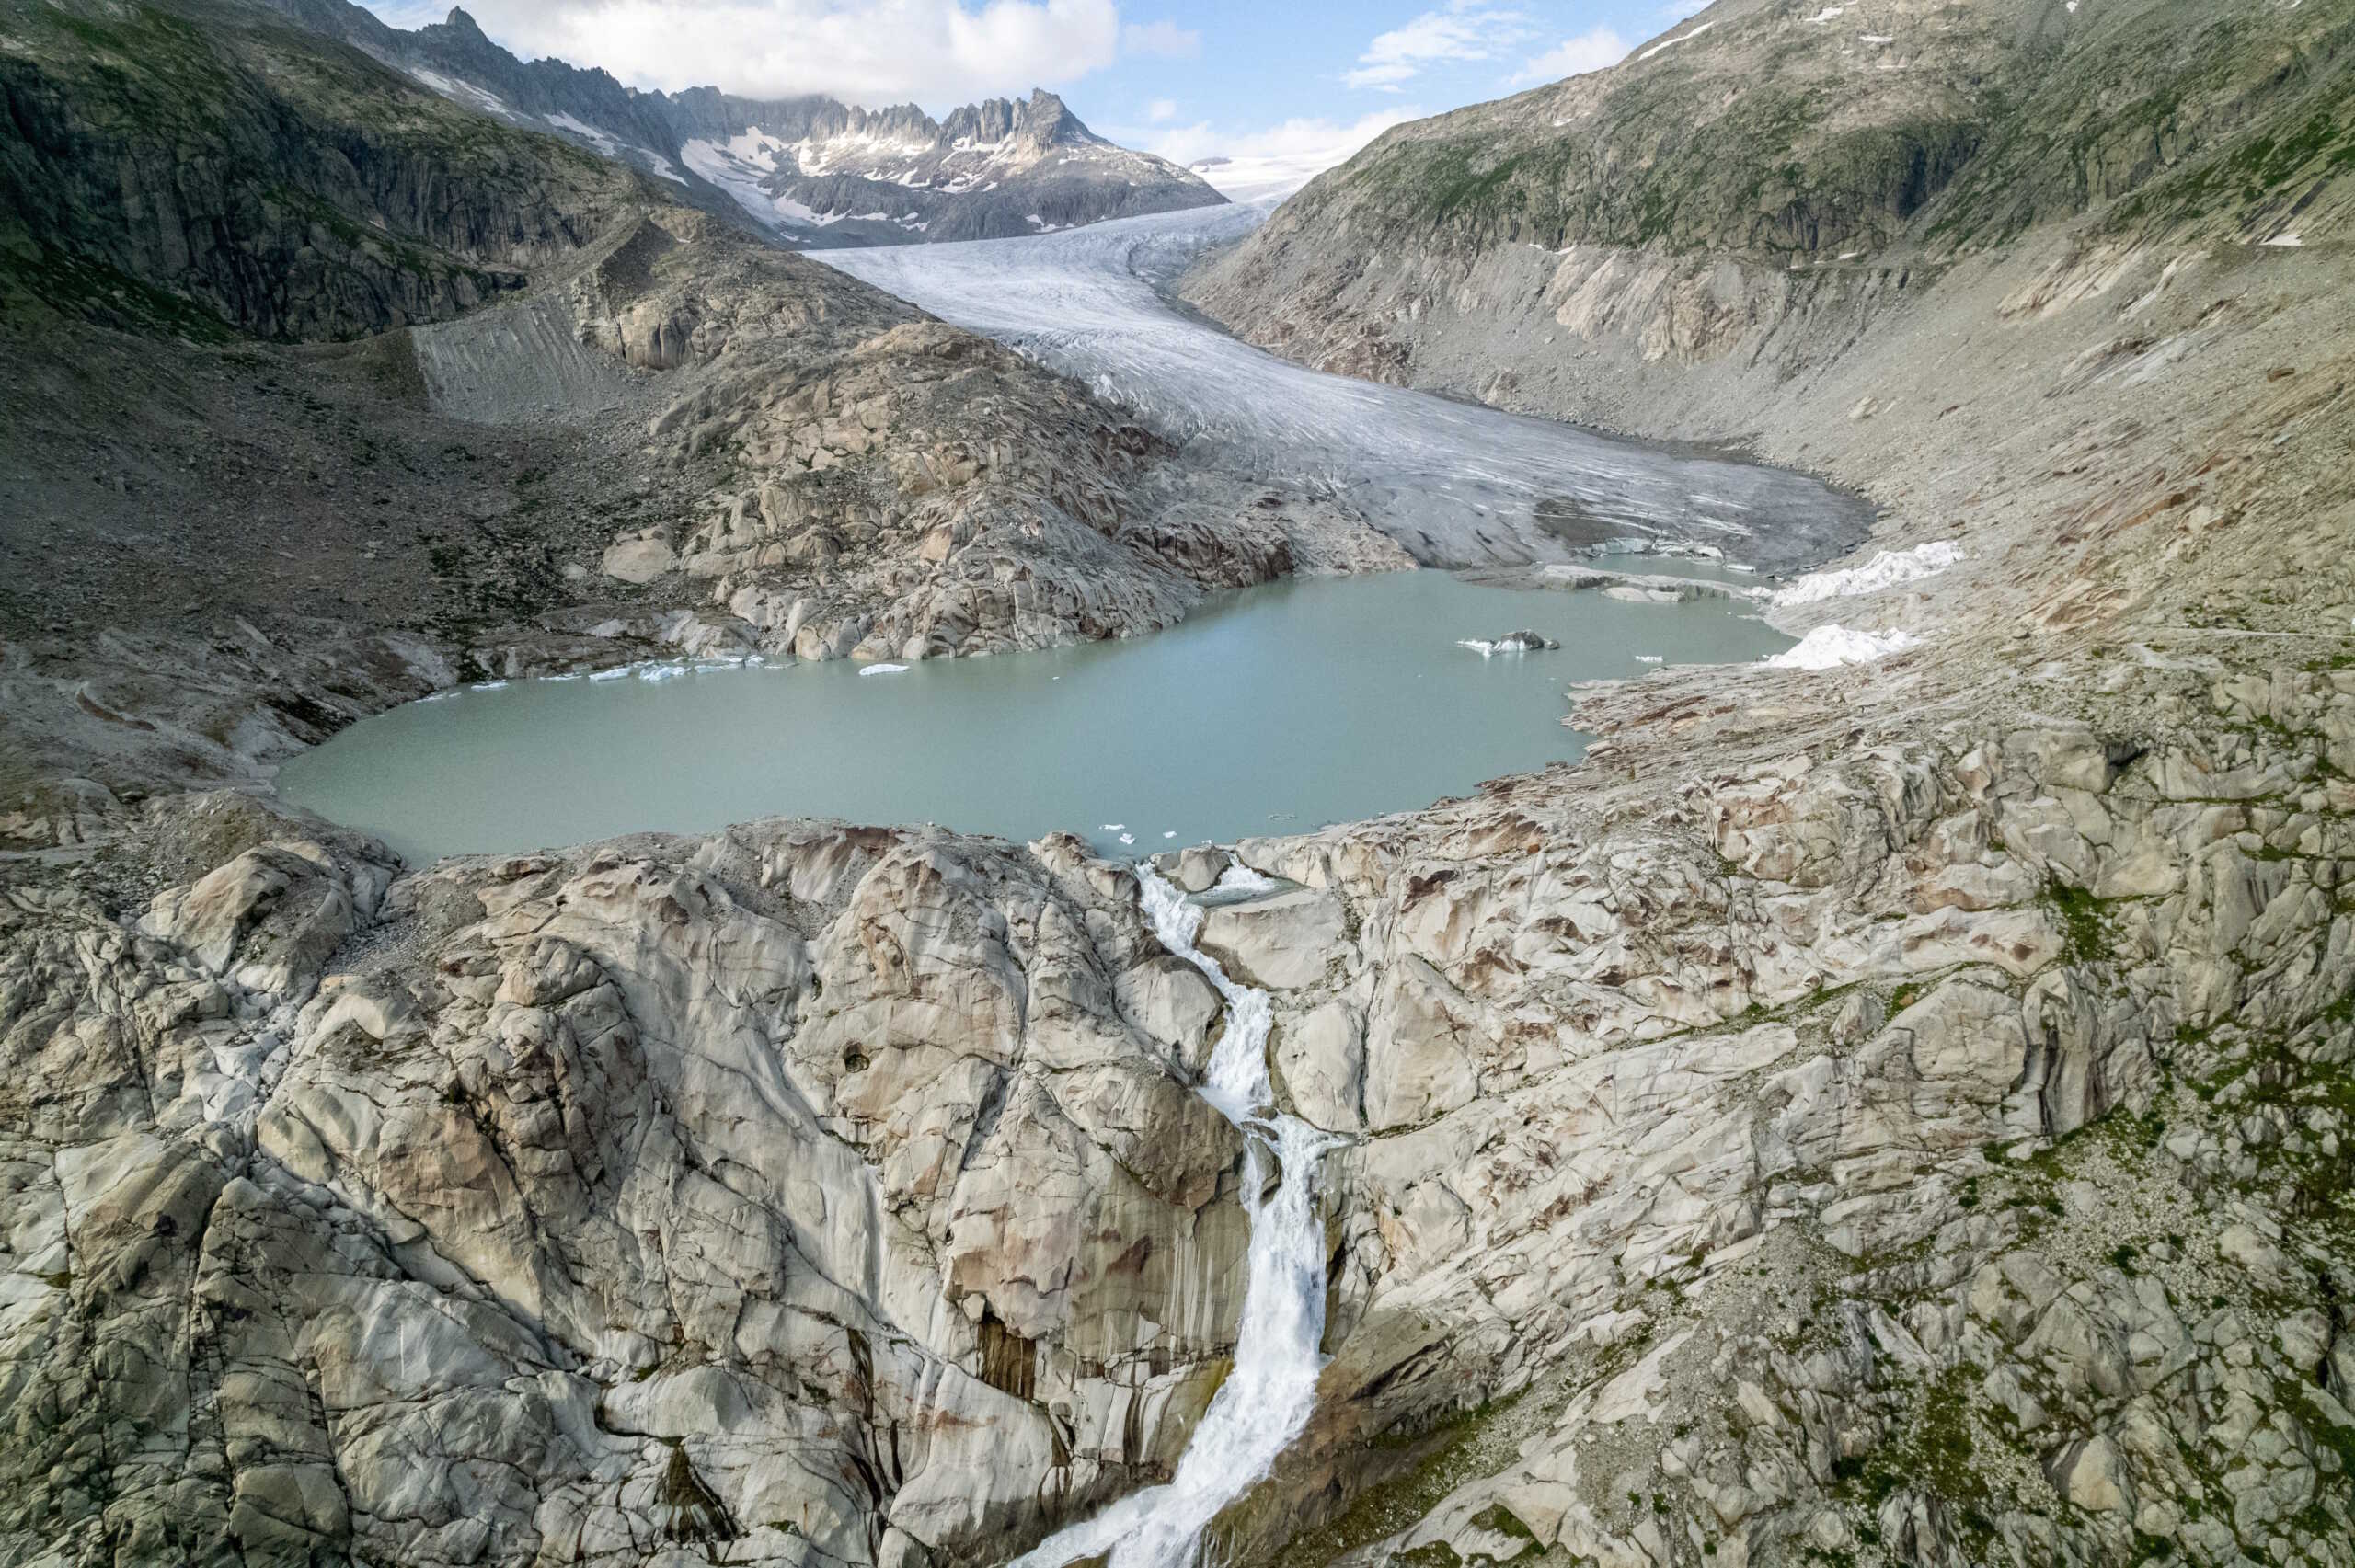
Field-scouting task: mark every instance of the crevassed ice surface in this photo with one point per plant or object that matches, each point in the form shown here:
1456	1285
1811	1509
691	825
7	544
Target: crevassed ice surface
1456	483
1266	1398
1273	710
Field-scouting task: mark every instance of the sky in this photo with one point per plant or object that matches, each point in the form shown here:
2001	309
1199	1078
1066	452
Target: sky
1281	87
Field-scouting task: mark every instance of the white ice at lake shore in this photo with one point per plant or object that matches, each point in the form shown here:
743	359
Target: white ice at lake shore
1828	648
1887	569
883	670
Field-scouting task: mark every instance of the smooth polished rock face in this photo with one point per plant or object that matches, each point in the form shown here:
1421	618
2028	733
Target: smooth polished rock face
863	1169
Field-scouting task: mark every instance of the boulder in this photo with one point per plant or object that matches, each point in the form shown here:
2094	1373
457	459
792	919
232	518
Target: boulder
638	557
1279	943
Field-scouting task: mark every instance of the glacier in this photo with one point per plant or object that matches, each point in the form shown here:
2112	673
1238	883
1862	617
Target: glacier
1457	484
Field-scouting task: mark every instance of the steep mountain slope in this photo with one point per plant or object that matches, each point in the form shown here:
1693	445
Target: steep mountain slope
811	170
214	153
1793	133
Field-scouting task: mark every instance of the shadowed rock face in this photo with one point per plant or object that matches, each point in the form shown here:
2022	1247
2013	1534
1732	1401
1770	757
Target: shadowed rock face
160	156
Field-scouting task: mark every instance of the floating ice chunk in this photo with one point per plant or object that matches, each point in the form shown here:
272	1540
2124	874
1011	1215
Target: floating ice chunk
1828	648
1650	659
1171	834
615	673
491	686
1128	838
437	696
661	671
884	670
1511	642
1887	569
1113	827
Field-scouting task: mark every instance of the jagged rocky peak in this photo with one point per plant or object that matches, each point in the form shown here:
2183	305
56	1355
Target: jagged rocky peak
1042	122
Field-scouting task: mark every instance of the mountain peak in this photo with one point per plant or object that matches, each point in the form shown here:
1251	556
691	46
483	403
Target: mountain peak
459	22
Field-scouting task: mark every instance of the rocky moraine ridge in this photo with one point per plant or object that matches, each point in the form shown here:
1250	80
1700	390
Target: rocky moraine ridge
1898	1112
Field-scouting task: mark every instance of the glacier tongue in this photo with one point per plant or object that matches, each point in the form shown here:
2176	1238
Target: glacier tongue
1456	483
1266	1398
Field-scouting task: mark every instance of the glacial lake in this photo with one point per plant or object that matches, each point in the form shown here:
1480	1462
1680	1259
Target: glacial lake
1276	709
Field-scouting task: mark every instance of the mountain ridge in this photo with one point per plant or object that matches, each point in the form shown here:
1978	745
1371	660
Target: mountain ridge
810	169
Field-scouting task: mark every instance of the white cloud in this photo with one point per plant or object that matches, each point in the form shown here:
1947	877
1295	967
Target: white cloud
939	52
1573	57
1161	112
1276	161
1465	30
1166	40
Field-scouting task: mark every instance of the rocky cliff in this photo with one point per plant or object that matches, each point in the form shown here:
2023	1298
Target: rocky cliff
811	170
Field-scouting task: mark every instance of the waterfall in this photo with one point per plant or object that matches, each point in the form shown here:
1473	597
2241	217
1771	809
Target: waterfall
1266	1398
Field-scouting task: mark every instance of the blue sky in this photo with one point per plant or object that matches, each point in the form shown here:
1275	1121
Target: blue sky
1281	87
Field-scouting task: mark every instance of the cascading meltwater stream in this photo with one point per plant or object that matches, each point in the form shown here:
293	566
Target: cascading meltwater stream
1266	1398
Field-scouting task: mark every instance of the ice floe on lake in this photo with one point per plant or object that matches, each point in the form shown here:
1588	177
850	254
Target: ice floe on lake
1512	642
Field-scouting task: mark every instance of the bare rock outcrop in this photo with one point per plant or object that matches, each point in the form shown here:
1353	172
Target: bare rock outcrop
808	1187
